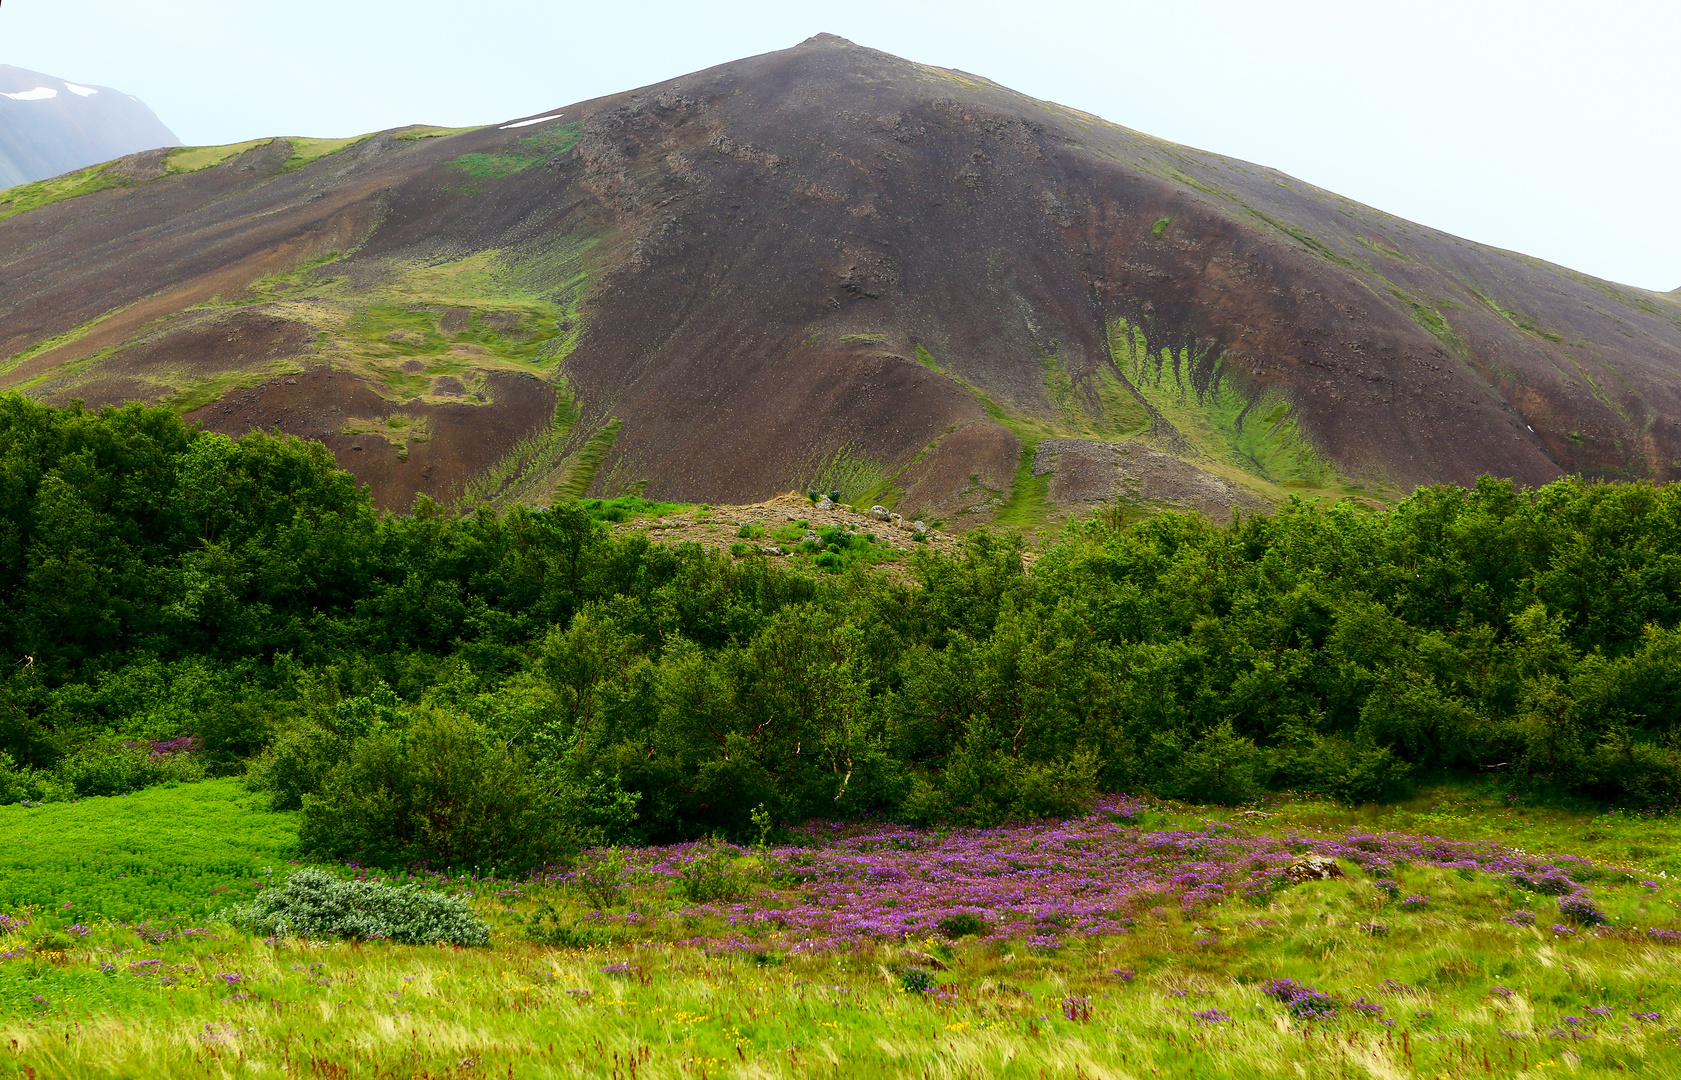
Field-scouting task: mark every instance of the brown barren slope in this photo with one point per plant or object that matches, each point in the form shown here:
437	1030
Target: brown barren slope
829	266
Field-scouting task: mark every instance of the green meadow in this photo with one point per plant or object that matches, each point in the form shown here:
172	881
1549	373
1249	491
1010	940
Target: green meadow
138	977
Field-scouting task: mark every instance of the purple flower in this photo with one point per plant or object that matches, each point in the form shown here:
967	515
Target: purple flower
1415	903
1040	884
1299	999
1580	910
1211	1016
1547	880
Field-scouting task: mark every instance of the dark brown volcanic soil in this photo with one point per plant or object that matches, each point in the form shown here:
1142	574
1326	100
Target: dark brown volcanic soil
775	239
463	438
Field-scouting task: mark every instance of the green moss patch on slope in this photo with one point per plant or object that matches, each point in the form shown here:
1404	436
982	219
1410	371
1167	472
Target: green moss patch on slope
527	152
1259	436
416	132
26	197
534	467
581	473
75	333
186	159
856	477
422	323
307	151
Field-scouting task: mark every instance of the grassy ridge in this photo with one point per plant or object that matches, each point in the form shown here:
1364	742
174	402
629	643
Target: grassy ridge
25	197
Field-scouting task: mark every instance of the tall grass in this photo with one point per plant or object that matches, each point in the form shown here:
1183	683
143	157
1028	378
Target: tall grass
1447	988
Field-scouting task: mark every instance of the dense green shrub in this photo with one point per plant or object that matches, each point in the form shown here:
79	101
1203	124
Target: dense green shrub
442	790
117	768
499	687
24	784
298	764
713	871
314	903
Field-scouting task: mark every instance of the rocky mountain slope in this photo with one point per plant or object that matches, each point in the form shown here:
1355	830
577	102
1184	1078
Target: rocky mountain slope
49	126
825	267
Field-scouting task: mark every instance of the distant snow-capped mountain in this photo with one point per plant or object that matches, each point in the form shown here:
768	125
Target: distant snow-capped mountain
50	126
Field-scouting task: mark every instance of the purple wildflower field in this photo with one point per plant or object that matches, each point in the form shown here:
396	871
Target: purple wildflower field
1046	884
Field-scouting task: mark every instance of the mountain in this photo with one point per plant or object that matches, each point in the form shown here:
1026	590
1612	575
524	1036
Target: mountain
831	267
49	126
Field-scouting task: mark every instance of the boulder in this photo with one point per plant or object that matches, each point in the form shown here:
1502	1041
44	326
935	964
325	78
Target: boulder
880	513
1311	867
919	528
825	503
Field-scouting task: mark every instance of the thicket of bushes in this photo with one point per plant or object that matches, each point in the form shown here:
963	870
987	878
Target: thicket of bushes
497	688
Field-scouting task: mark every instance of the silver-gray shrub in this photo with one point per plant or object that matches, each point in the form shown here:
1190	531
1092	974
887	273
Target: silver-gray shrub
314	903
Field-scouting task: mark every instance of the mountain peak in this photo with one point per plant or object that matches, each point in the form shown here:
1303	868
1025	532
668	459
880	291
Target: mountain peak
917	287
50	126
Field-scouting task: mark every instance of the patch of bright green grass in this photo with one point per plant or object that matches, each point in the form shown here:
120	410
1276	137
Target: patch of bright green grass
188	159
532	462
26	197
178	851
1118	415
199	391
845	471
629	507
416	132
527	152
1028	504
305	151
583	469
1259	436
493	166
1160	227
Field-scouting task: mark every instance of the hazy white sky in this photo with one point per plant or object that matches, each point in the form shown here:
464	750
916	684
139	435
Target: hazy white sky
1550	128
